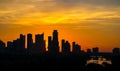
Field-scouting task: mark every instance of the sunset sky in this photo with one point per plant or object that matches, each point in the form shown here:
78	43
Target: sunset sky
89	23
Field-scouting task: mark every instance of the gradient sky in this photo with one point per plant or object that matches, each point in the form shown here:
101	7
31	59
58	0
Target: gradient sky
90	23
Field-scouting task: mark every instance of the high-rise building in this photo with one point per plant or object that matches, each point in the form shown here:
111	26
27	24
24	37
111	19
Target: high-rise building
65	47
2	46
44	46
89	51
76	49
16	46
37	40
95	50
55	36
55	42
73	46
29	43
49	44
40	43
22	41
9	45
116	51
19	45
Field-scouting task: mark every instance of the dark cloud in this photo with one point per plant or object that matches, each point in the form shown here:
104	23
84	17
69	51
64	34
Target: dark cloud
92	2
57	5
6	1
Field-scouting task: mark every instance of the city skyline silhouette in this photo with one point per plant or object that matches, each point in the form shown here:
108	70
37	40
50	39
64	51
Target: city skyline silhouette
15	54
46	44
77	35
39	46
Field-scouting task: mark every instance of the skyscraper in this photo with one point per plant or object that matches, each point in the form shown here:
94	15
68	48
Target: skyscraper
40	43
19	45
116	51
95	50
55	42
29	43
73	46
22	41
49	44
10	47
76	49
16	46
65	47
2	46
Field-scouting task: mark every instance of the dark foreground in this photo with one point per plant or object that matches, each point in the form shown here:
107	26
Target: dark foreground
55	62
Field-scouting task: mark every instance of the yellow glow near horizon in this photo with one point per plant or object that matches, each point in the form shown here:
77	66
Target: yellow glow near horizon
64	18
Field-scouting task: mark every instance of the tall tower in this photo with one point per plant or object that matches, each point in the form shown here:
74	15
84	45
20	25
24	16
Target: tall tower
29	43
49	44
22	41
116	51
19	45
95	50
2	46
76	49
40	43
65	47
55	42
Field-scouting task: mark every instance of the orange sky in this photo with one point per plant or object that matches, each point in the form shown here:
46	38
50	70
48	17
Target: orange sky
89	23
